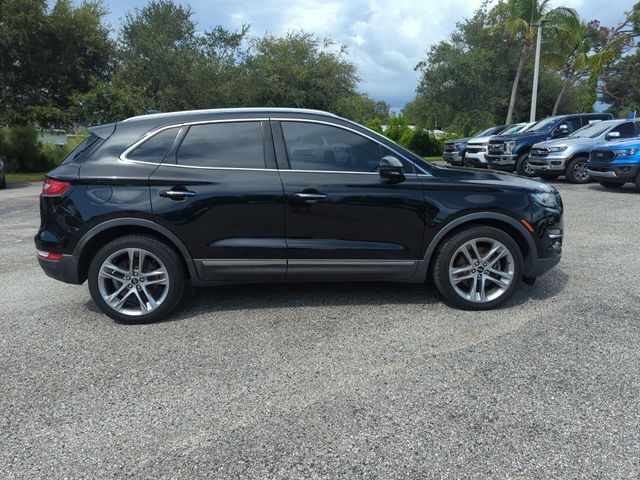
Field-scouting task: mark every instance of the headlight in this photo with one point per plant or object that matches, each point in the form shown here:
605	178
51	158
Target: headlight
509	146
558	149
457	144
546	199
626	153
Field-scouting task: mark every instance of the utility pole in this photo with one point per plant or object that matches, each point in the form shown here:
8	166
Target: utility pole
536	71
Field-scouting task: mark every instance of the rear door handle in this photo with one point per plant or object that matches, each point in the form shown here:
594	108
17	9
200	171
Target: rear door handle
309	197
177	194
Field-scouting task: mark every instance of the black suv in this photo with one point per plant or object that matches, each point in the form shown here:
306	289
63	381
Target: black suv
146	205
511	152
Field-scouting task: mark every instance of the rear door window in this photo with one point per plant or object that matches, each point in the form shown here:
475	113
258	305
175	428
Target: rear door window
223	145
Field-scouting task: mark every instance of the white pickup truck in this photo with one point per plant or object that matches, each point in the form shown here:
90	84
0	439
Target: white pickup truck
477	146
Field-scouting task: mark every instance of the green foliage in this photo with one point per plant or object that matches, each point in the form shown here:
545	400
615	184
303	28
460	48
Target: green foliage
621	87
397	127
423	144
375	125
20	150
47	55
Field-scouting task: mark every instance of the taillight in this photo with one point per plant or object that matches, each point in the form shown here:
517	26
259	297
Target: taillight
54	257
54	187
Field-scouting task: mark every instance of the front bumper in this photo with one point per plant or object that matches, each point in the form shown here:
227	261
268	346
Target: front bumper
64	270
501	161
549	163
454	158
475	159
612	171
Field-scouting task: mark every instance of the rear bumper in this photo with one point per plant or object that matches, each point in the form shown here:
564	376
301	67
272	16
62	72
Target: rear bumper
627	173
64	270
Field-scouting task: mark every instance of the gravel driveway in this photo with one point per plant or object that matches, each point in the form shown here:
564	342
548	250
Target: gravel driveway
310	381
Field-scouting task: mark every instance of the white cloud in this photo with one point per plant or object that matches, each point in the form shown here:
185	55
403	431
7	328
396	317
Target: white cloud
385	38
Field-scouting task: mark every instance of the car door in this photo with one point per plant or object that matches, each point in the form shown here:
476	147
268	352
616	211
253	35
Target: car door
342	219
219	191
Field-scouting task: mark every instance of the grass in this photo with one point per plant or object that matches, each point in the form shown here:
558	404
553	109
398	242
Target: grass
434	159
25	177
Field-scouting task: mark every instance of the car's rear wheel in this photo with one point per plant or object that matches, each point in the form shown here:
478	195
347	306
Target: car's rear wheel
548	176
478	268
606	184
136	279
3	183
577	171
522	166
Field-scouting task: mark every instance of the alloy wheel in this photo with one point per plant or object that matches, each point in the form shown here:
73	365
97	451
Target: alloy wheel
580	172
481	270
133	281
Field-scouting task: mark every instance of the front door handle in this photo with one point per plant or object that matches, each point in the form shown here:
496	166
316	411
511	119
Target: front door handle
309	197
177	194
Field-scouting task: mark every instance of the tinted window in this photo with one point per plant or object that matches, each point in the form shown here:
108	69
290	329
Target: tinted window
572	124
154	149
626	130
313	146
227	144
83	147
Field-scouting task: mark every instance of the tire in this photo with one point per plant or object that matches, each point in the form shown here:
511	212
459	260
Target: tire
548	176
606	184
576	171
140	302
449	257
638	182
3	183
522	166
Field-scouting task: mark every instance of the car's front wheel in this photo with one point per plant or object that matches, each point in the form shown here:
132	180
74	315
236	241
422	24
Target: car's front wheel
136	279
478	268
577	171
523	167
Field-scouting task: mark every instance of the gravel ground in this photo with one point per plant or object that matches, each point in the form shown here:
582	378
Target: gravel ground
310	381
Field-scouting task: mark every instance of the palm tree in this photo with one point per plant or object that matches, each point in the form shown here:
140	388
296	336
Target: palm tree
518	19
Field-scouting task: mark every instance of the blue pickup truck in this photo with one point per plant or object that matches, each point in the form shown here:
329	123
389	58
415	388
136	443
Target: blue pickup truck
614	164
511	152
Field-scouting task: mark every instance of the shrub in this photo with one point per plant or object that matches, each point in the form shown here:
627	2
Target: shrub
421	143
397	127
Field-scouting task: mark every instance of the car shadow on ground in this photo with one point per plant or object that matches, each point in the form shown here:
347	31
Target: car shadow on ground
625	189
229	298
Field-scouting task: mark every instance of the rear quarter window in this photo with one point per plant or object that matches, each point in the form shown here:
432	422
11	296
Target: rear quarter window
155	148
83	150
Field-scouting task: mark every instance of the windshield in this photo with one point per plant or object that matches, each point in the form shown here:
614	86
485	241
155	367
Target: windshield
512	129
75	153
593	130
484	133
544	125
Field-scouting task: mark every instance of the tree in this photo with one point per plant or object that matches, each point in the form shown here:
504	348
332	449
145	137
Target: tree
361	108
47	56
298	70
518	18
620	86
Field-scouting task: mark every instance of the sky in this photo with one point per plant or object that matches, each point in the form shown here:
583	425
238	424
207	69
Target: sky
385	38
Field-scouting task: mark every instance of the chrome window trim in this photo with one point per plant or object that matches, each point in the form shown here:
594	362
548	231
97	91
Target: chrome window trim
331	124
148	135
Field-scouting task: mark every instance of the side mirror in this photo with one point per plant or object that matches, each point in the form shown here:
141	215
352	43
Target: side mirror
612	135
561	131
391	168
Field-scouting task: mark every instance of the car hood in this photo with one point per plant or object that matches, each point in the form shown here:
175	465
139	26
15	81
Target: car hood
569	142
494	177
479	140
621	144
458	140
517	136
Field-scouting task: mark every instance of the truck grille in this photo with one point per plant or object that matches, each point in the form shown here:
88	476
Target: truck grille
450	147
602	155
475	149
539	152
496	148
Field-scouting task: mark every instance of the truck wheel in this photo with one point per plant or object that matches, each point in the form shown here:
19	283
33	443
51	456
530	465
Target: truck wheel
548	176
606	184
577	172
522	166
